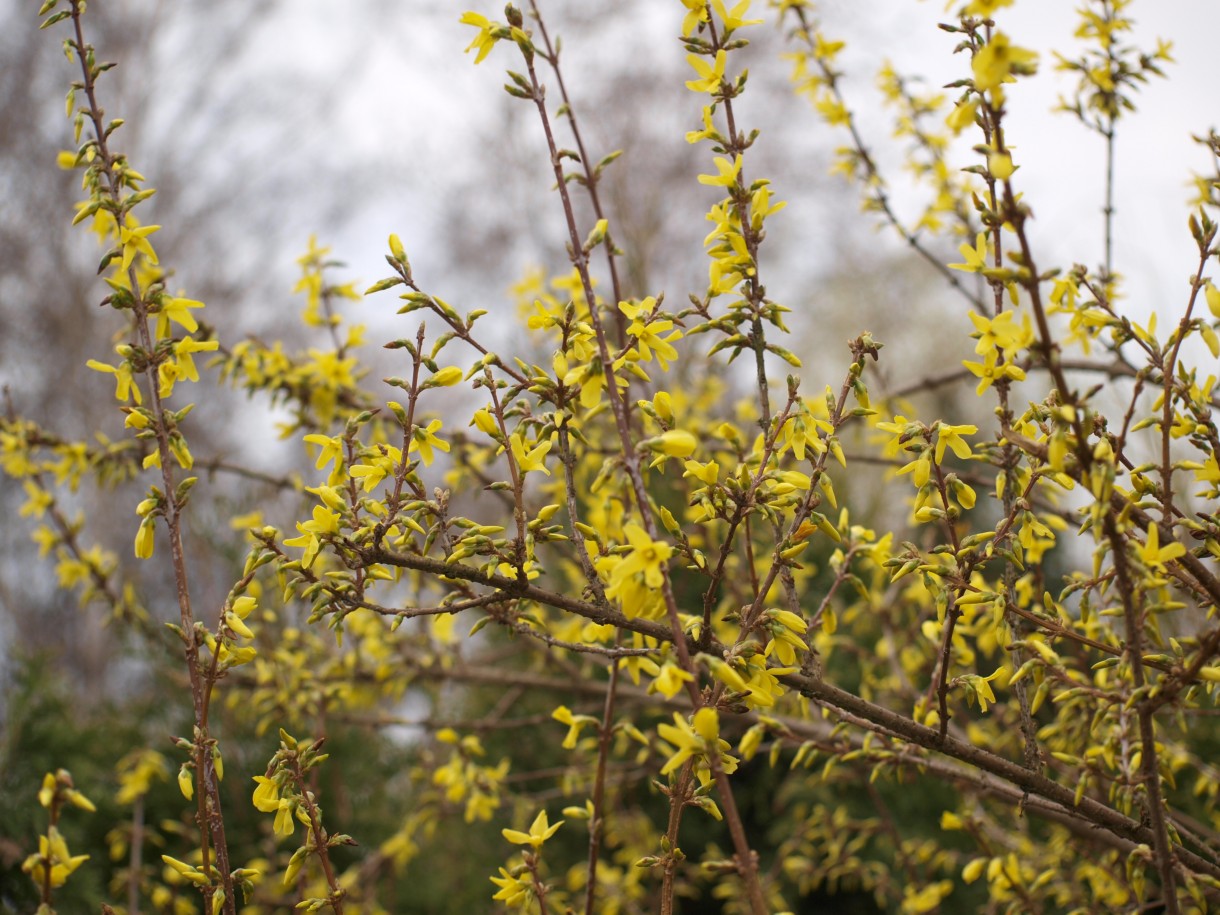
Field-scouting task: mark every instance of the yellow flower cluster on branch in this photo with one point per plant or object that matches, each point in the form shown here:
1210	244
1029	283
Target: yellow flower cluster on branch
637	522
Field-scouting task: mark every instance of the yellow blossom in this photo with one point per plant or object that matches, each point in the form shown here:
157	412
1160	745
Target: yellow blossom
676	443
514	890
539	832
999	60
1155	555
266	794
125	386
985	8
696	13
951	437
283	825
976	257
735	18
727	172
705	473
183	352
1000	165
324	522
423	439
133	238
647	556
52	851
575	724
710	75
145	539
487	37
446	377
177	310
669	680
962	116
531	458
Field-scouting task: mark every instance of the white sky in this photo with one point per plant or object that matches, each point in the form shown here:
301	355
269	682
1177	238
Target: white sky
418	100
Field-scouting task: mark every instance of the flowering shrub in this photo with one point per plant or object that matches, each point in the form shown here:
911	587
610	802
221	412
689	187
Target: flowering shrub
716	675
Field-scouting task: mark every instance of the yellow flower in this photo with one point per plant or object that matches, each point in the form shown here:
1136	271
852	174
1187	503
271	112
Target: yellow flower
734	18
193	874
52	850
539	832
962	116
266	795
38	501
134	240
514	891
676	443
283	817
179	311
136	773
728	172
487	37
668	681
424	440
801	431
1212	294
591	379
46	793
710	75
985	8
706	474
708	131
1001	332
379	467
485	422
951	437
145	539
998	60
826	51
575	724
137	419
183	351
332	448
531	459
329	496
648	333
787	635
990	371
647	556
125	386
663	406
976	257
244	605
1155	555
763	683
446	377
324	522
238	626
1000	165
635	597
694	739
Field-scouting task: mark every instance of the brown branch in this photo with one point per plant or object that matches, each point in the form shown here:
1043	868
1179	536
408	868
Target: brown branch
894	723
210	817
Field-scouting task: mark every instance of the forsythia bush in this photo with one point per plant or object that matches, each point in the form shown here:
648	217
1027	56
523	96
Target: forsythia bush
669	660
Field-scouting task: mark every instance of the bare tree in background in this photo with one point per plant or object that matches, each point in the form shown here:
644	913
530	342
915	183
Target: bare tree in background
180	75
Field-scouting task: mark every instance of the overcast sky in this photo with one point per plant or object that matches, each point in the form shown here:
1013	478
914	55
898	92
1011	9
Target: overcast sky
420	94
